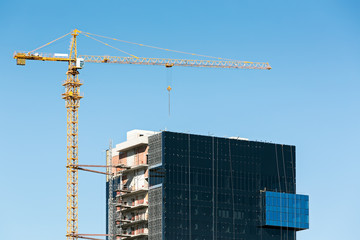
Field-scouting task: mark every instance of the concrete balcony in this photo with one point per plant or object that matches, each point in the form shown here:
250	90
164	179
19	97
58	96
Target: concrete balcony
137	236
136	207
122	190
135	167
131	223
136	191
122	205
123	221
134	236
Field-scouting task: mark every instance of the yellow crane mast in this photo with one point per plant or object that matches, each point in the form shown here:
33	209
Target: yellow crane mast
72	98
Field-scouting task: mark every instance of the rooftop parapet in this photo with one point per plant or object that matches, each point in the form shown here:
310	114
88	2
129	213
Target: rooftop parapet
135	138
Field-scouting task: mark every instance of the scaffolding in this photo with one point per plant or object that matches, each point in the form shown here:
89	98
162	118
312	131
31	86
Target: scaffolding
119	208
110	175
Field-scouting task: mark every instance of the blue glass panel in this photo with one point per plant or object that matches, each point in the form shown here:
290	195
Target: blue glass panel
286	210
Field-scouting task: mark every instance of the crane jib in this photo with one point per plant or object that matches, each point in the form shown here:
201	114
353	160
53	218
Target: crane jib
21	57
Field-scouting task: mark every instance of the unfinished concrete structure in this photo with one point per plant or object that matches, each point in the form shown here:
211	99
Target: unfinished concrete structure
127	187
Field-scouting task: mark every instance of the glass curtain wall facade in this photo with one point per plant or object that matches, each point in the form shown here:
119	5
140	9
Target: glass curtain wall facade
204	187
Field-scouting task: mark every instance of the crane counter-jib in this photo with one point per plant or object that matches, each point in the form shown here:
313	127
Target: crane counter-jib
22	57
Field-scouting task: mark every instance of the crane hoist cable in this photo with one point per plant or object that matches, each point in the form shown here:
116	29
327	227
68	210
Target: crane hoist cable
169	83
168	71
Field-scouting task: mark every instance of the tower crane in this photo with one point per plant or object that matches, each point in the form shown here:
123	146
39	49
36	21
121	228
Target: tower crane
72	99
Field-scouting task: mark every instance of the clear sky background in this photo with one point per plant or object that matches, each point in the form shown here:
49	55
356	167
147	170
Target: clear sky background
309	99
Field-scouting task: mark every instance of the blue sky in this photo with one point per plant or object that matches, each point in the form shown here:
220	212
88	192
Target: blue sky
309	99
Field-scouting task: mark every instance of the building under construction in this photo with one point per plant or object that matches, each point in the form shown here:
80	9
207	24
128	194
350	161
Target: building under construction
169	185
72	97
